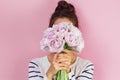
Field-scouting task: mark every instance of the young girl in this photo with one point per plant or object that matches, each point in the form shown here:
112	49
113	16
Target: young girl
45	68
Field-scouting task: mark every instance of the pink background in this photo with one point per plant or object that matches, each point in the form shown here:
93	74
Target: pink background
23	21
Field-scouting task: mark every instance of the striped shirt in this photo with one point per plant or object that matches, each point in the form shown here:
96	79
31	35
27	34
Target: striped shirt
81	69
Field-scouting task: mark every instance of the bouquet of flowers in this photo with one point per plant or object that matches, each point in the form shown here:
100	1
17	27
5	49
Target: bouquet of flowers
62	36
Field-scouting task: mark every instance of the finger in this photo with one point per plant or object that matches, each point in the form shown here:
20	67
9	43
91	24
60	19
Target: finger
63	55
55	57
62	68
63	60
66	58
68	70
66	64
65	68
67	51
59	63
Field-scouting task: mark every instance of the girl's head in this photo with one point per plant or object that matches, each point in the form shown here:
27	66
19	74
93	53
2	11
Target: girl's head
64	12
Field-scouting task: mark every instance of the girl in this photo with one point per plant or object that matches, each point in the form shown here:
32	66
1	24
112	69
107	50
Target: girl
46	67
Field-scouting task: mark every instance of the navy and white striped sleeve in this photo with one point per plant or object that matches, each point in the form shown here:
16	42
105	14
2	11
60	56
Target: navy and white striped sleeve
34	72
87	73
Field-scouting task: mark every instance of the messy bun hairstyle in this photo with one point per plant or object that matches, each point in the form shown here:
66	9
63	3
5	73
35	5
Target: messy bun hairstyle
64	10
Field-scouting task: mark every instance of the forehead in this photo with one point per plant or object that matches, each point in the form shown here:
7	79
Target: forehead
59	20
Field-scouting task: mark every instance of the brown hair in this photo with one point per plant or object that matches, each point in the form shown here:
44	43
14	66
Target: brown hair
64	10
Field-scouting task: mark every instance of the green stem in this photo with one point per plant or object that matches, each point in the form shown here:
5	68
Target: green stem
62	74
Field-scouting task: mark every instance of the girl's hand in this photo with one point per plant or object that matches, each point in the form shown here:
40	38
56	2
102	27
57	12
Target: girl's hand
59	62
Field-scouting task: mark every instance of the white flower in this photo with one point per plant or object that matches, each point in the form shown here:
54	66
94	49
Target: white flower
55	38
73	36
56	44
80	47
44	44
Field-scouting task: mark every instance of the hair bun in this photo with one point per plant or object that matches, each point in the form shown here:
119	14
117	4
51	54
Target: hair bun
63	5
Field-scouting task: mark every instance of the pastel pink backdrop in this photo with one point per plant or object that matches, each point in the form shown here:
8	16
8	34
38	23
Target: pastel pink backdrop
23	21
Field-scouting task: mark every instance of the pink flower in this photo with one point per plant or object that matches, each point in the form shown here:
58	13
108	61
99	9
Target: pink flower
56	44
80	46
55	38
73	36
49	33
52	41
61	28
44	44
